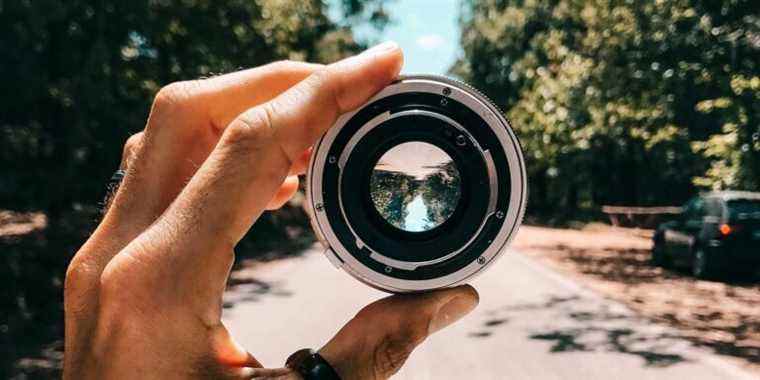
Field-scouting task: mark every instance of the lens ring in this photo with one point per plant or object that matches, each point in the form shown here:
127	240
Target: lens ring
391	246
506	175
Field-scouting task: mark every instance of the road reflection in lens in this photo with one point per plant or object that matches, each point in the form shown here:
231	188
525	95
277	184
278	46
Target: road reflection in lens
415	186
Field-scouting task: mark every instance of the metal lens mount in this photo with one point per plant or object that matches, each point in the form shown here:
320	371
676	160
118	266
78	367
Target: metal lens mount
420	188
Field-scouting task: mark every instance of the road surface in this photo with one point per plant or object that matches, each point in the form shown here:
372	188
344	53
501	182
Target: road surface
531	324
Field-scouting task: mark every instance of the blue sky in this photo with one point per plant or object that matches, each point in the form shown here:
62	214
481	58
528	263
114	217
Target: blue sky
426	30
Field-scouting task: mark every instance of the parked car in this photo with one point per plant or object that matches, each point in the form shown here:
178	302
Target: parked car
715	234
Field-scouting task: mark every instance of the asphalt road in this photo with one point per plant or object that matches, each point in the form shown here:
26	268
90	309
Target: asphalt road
531	324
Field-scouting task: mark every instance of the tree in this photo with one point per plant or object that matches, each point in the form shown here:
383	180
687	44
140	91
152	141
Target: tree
604	94
441	190
78	79
391	192
80	76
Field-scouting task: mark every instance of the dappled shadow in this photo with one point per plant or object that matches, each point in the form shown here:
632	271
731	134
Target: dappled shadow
619	265
718	315
252	290
578	324
631	266
615	340
488	325
563	341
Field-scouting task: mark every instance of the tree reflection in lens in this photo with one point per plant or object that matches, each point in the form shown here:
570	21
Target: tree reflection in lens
415	186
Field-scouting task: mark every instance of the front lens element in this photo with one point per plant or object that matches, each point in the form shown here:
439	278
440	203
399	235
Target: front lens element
415	186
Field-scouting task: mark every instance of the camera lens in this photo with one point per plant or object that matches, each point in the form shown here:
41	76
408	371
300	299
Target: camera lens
420	188
415	186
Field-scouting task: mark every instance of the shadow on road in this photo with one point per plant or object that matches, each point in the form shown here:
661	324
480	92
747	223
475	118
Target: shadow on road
252	290
578	324
721	316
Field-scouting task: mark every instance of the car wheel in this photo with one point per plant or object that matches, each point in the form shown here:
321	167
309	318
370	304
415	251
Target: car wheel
702	265
659	257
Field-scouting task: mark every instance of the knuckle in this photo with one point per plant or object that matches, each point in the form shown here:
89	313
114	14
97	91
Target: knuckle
118	296
109	283
119	301
396	344
116	281
78	276
131	145
321	78
327	81
391	354
252	129
283	64
174	95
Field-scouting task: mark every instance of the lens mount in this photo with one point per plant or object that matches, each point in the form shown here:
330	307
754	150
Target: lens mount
419	227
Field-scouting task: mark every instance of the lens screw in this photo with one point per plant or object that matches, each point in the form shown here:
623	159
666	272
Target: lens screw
331	159
319	207
444	102
461	141
388	269
446	91
500	214
481	260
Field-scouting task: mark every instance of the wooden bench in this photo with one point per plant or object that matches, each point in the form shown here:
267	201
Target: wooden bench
642	217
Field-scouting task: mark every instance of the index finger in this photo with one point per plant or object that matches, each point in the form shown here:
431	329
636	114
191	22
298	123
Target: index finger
305	111
253	157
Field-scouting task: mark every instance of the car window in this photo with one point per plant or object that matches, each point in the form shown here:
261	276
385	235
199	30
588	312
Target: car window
742	209
714	207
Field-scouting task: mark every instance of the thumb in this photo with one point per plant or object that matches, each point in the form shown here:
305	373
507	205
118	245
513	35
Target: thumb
378	340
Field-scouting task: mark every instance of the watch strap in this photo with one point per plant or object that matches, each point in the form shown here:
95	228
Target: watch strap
311	365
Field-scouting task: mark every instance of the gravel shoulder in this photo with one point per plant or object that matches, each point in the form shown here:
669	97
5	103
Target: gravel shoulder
723	317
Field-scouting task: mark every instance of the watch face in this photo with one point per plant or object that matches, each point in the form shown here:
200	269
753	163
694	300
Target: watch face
420	188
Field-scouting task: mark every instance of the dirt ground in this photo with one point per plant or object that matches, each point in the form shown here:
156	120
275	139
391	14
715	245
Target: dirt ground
720	316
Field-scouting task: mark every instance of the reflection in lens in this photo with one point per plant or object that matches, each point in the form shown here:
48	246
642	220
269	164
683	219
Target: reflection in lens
415	186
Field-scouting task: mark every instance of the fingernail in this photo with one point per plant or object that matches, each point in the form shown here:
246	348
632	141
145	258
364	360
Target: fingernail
380	48
452	311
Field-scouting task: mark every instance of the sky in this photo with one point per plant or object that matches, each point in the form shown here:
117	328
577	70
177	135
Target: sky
415	158
426	30
416	218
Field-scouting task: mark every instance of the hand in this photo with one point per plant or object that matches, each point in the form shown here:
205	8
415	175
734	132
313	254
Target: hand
143	295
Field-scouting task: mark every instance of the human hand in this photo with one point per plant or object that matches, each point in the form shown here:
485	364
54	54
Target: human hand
143	295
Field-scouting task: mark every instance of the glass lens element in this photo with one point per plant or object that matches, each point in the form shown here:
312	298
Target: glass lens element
415	186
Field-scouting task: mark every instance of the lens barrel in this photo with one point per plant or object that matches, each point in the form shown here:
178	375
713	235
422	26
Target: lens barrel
420	188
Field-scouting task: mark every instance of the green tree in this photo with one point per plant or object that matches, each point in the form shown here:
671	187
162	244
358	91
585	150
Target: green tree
79	78
605	95
441	190
391	192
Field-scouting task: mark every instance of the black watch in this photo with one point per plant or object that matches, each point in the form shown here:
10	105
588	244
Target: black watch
311	365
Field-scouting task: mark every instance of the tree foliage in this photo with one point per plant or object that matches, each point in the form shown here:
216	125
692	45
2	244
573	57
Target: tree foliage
79	78
622	102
